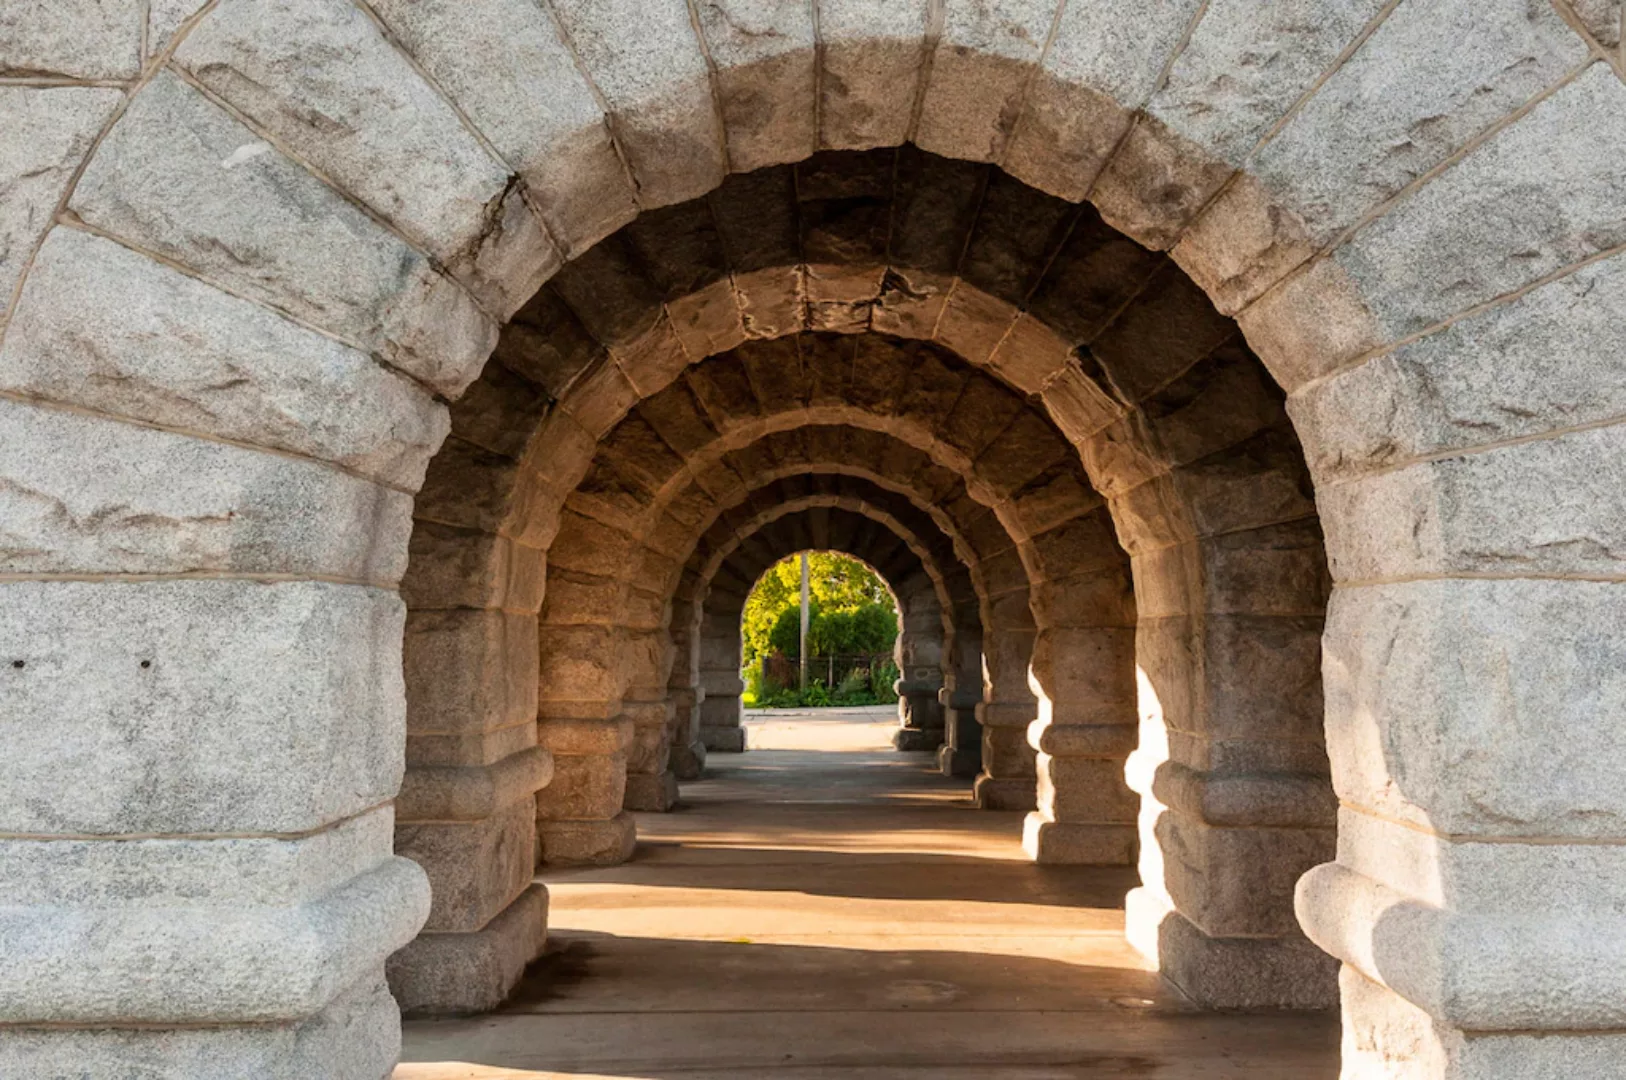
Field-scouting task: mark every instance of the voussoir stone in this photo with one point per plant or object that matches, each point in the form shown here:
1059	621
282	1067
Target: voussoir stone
82	39
320	77
644	58
153	344
51	130
764	53
86	495
506	66
180	176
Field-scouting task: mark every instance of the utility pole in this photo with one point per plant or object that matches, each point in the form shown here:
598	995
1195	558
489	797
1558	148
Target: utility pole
803	650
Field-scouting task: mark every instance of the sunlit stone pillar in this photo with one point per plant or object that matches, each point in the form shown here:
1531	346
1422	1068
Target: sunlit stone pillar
1476	897
1231	767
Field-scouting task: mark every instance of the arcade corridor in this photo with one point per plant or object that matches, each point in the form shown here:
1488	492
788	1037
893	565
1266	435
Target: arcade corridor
824	907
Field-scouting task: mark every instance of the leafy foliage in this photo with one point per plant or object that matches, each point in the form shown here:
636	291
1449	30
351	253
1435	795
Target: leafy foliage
851	612
839	586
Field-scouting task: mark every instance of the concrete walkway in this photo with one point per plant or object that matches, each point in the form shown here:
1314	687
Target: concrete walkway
823	907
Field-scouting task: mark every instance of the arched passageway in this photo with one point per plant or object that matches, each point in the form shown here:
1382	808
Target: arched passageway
257	257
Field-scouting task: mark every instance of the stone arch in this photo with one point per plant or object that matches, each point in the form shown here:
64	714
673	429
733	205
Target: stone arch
930	614
877	469
1430	392
947	653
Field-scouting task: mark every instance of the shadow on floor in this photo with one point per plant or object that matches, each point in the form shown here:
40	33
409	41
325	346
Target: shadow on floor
859	875
606	1005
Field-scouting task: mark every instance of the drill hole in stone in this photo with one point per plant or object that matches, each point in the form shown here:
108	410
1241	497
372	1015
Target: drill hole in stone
19	663
146	664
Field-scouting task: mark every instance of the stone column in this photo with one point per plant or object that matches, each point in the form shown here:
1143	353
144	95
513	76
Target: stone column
688	753
919	656
1008	779
721	712
467	810
1085	680
580	815
651	783
1475	901
1232	768
196	789
688	748
961	752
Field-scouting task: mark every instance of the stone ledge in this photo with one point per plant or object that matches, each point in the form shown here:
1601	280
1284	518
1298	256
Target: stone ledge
586	843
205	965
1071	843
453	974
1548	970
437	793
356	1037
729	740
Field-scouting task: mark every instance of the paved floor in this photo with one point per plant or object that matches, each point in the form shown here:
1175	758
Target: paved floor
824	908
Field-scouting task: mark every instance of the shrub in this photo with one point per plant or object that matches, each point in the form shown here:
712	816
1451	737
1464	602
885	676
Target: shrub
881	679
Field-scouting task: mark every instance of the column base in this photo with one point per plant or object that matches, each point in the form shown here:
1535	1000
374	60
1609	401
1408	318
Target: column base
458	974
993	793
1230	973
357	1037
653	794
914	739
730	740
958	762
1387	1036
586	843
689	761
1068	843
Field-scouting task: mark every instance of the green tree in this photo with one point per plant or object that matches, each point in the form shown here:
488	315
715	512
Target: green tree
851	609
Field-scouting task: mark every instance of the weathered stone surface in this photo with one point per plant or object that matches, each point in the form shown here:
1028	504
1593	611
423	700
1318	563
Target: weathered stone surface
1399	108
179	176
451	567
384	134
1387	1032
53	130
1103	62
1241	973
1446	703
358	1035
1064	843
1539	203
152	344
651	792
1538	508
453	974
646	62
1544	361
504	63
184	965
223	873
165	18
300	684
82	39
764	54
472	793
475	868
587	843
872	56
86	495
980	71
585	787
470	671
